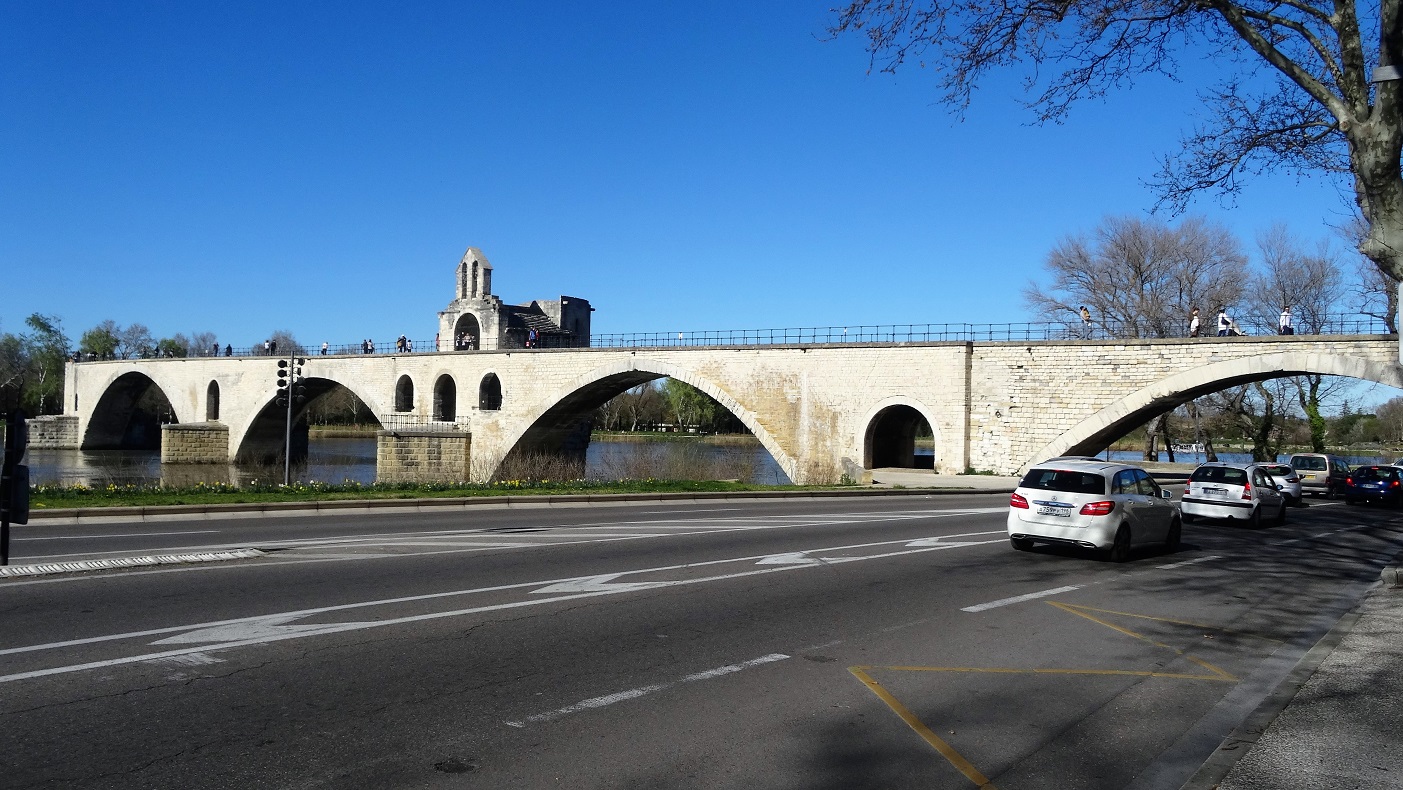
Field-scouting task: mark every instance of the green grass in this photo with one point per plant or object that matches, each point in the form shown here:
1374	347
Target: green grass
49	497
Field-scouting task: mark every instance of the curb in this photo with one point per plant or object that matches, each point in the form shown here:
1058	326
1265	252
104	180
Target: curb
13	571
1241	740
434	504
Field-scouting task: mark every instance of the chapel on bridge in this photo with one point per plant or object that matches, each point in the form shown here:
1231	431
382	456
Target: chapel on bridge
477	319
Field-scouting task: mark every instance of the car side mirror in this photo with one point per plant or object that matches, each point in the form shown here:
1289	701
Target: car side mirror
1165	494
1279	487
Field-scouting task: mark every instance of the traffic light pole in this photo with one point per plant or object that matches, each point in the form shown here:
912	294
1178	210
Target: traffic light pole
287	432
289	390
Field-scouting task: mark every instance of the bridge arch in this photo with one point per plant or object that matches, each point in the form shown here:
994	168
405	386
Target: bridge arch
561	417
445	399
129	414
261	438
212	401
889	433
1094	433
404	394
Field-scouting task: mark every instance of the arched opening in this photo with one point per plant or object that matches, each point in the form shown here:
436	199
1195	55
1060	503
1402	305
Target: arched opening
467	336
445	399
896	438
1096	432
404	394
129	415
489	393
212	402
327	404
559	441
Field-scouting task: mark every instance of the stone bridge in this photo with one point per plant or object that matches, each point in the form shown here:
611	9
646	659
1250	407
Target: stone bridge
822	410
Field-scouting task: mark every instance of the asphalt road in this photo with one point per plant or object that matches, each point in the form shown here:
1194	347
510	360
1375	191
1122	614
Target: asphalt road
840	643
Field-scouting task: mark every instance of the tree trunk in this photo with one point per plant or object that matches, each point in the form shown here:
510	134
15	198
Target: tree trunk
1152	432
1309	396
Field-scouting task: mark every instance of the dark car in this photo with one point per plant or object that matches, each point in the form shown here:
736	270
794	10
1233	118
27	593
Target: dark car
1374	484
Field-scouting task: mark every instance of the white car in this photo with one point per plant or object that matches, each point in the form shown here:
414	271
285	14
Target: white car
1286	477
1093	504
1233	492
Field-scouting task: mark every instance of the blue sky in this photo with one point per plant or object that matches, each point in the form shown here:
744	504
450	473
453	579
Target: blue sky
321	167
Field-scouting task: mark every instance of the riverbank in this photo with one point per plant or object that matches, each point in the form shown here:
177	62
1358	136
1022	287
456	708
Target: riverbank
83	497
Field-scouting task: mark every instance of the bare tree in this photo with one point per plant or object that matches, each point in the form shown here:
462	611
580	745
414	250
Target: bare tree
1311	283
1296	92
1390	420
1141	276
135	341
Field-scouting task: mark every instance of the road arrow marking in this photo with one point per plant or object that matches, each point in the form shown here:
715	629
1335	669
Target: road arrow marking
597	584
262	628
793	558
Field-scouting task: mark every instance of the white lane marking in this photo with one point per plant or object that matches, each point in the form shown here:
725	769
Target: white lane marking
123	535
1020	598
282	635
635	693
238	632
685	512
1173	565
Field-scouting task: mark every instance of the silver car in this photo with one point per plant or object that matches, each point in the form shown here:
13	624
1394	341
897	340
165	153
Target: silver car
1233	492
1289	480
1092	504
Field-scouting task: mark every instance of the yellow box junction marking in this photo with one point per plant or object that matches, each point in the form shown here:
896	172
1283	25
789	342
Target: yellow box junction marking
964	766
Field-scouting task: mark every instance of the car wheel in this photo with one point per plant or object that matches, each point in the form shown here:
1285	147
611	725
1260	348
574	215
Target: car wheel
1349	500
1021	544
1171	541
1255	520
1189	518
1120	550
1330	492
1281	514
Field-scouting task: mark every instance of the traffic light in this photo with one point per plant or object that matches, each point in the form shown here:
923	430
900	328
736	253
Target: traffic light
282	382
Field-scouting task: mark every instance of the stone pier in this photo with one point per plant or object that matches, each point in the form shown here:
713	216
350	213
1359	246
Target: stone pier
195	443
422	456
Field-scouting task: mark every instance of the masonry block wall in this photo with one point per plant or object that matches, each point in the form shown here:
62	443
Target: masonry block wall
58	431
195	443
422	456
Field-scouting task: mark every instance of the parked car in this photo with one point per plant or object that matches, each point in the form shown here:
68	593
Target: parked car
1289	480
1233	492
1092	504
1320	473
1374	483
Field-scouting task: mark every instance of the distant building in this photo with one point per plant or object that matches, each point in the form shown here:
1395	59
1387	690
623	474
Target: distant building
477	319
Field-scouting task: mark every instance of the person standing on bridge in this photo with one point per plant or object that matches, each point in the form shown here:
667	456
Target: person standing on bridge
1225	322
1193	323
228	350
324	347
1284	325
1085	321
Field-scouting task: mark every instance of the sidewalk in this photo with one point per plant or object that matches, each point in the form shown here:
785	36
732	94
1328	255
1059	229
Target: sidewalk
1343	726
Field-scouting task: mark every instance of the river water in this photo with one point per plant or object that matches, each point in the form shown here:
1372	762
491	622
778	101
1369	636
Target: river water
336	460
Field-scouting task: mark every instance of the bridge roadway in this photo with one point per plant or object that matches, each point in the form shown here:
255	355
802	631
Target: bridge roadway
823	411
893	642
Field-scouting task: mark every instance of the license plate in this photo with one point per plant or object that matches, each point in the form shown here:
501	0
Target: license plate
1310	477
1218	492
1054	511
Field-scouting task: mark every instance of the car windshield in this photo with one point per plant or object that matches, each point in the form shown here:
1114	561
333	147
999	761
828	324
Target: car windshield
1280	470
1064	480
1313	463
1219	474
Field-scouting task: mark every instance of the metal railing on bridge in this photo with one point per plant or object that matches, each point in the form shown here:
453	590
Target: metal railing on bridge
930	333
790	336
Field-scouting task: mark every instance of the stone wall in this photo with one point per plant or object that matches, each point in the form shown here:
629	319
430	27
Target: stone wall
195	443
993	406
422	456
58	431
